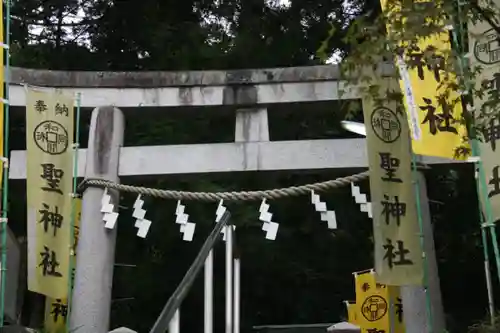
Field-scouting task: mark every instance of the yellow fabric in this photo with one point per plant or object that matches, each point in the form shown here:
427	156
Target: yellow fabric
378	306
49	137
434	124
485	52
56	310
398	251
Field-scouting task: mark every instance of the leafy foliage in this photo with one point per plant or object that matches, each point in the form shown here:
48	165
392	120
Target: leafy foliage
486	325
394	36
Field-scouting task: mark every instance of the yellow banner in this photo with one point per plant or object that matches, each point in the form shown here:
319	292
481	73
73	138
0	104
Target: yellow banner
56	310
398	252
379	307
485	52
352	312
434	111
49	137
396	303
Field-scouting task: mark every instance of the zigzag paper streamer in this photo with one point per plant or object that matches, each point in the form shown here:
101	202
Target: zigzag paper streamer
221	209
143	228
180	217
187	228
139	213
271	228
328	216
107	208
360	198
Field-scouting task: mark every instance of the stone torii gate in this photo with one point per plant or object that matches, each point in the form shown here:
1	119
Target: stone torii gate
250	92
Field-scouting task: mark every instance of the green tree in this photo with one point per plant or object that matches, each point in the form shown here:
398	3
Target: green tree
396	33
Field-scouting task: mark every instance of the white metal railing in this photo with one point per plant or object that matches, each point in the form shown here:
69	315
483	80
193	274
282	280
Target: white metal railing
170	315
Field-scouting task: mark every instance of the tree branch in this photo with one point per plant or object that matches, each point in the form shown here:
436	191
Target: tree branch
485	16
53	24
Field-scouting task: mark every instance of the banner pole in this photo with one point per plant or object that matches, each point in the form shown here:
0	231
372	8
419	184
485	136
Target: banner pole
76	147
5	183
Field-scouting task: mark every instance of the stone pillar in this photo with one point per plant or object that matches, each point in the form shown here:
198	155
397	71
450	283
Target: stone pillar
414	298
96	246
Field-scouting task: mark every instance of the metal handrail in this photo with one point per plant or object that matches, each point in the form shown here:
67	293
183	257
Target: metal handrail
174	302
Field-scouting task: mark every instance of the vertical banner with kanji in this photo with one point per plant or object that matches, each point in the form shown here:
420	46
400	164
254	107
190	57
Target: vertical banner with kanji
49	137
56	310
398	252
484	48
379	306
434	110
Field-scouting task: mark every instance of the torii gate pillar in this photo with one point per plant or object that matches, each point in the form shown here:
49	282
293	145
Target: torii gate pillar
91	303
414	297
